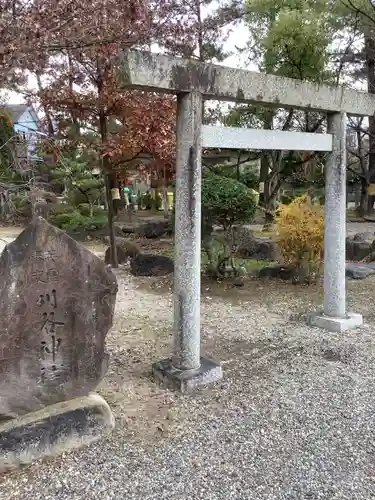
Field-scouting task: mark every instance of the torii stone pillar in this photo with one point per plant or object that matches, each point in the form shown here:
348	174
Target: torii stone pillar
335	318
187	369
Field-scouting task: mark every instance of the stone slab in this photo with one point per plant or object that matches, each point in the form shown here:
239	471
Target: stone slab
57	302
165	73
338	325
357	271
354	270
247	138
208	372
54	430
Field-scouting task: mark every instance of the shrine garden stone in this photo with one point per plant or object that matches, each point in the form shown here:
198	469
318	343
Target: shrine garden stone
57	303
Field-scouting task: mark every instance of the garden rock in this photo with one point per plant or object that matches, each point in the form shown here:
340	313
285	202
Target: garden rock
277	272
266	249
243	236
151	265
57	305
359	271
57	428
118	228
125	250
127	228
129	246
122	256
364	236
255	247
154	229
359	246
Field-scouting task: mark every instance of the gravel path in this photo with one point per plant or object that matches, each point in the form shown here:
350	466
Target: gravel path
293	417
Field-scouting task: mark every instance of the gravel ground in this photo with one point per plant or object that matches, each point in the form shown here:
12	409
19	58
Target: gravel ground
293	417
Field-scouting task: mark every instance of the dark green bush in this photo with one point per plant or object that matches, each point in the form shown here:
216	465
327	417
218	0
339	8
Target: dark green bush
250	179
225	201
286	198
62	208
150	203
76	197
75	221
85	209
147	201
249	176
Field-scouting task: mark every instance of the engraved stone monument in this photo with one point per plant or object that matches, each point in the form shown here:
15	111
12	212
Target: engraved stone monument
57	302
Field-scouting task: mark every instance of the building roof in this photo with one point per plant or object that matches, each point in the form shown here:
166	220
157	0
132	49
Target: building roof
17	110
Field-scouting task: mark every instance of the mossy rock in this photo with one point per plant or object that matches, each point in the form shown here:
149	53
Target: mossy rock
125	250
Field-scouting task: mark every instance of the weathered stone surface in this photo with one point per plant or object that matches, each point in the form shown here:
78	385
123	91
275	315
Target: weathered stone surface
155	229
359	246
243	237
251	246
127	228
262	249
359	271
151	265
53	430
354	271
122	256
56	306
349	321
128	245
125	249
163	73
365	236
278	271
187	380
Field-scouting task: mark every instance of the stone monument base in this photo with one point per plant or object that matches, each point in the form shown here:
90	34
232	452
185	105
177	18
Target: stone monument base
350	322
54	430
187	380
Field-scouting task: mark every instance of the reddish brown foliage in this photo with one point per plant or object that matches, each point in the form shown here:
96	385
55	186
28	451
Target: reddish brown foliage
72	45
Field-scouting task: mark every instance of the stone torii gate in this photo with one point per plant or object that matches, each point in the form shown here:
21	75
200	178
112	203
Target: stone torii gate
192	82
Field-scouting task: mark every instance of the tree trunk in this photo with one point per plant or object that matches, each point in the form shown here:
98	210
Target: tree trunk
271	190
238	167
264	162
110	183
50	128
370	204
164	193
363	204
370	66
264	168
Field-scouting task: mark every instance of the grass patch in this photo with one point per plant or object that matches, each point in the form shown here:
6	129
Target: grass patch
252	265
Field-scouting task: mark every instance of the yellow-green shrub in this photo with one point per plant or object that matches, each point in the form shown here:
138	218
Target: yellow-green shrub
300	235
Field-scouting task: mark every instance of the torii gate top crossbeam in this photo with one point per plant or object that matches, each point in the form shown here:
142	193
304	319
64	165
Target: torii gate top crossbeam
161	73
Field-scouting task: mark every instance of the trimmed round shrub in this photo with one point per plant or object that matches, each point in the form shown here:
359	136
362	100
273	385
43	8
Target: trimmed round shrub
226	202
